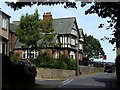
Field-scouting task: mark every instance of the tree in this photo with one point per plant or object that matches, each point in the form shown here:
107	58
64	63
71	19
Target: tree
111	10
35	33
19	5
28	31
47	35
92	48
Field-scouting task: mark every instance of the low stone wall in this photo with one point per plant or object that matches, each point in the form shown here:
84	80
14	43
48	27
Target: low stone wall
88	69
54	73
49	73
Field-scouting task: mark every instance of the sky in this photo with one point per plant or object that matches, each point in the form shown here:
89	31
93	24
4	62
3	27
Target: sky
89	23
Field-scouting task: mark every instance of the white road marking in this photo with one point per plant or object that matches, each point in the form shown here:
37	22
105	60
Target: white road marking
65	81
68	81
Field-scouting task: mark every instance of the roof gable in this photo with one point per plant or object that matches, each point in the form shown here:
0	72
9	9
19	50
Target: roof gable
5	14
82	38
63	25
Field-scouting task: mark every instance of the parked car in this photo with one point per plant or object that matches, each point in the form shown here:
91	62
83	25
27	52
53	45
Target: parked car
109	67
29	67
21	75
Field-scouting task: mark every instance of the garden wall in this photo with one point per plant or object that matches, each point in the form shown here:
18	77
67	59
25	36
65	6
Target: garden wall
88	69
59	73
54	73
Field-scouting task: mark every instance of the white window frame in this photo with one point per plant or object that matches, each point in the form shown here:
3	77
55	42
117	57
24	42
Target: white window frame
35	54
4	23
80	46
73	41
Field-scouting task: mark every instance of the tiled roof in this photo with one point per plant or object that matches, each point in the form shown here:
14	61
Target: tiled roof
18	44
16	22
63	25
13	28
60	26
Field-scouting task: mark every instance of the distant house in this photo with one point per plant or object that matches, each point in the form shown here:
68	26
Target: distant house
12	37
4	32
69	37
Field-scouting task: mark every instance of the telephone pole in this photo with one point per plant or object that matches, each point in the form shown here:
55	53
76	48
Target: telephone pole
77	58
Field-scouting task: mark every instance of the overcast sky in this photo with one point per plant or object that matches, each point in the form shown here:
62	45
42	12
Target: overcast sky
89	23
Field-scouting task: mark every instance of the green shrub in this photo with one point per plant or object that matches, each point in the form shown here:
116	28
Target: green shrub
63	62
70	62
53	63
42	59
15	58
60	64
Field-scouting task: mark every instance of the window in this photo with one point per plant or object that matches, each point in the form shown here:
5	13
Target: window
71	56
55	53
24	55
65	40
72	41
61	40
4	23
68	40
30	54
80	46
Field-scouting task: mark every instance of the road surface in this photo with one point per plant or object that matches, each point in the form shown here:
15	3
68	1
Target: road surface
97	80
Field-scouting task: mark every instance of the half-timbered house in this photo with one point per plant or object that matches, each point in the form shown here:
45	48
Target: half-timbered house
69	37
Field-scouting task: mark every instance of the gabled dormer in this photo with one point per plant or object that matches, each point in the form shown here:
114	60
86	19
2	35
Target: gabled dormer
74	29
68	33
82	38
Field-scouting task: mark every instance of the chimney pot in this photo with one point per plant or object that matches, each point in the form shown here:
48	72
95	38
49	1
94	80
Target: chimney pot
47	16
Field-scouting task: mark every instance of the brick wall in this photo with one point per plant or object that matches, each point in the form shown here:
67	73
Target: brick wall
12	40
66	53
47	16
18	52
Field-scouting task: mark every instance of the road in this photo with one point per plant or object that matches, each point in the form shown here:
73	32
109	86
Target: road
97	80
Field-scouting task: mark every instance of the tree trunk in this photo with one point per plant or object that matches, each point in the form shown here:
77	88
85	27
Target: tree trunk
118	33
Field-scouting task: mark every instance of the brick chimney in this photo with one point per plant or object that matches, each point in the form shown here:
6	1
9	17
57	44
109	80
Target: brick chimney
47	16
